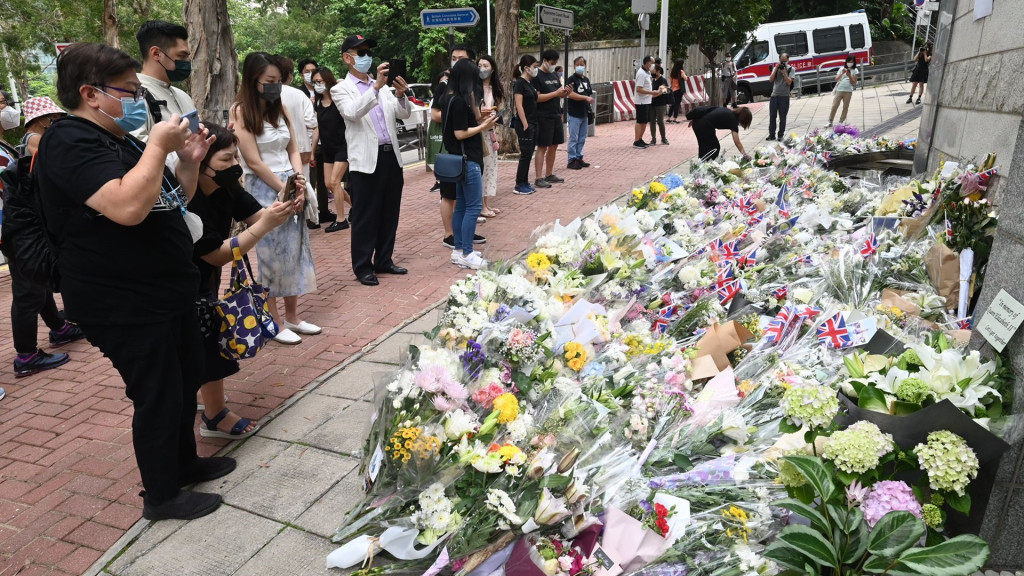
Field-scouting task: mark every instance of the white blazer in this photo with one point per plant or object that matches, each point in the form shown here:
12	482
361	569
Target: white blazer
359	132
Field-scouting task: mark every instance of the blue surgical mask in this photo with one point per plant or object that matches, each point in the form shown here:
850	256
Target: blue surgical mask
363	63
581	70
133	114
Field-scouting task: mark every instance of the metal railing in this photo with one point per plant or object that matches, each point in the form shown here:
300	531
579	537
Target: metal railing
863	72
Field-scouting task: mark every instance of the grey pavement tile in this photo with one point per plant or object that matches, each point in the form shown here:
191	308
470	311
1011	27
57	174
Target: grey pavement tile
250	456
393	350
292	553
286	486
295	423
326	514
150	538
343	432
216	544
424	323
357	380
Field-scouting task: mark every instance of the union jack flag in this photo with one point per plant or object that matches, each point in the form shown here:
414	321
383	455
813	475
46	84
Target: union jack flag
727	292
869	247
808	312
715	245
664	317
749	259
748	207
949	228
725	275
781	293
729	250
833	332
777	326
754	221
784	209
964	323
826	157
805	259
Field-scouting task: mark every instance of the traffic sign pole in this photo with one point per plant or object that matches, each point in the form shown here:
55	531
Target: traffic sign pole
451	41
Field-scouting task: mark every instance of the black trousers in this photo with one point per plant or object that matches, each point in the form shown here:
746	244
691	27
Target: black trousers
161	363
376	205
778	106
30	301
527	144
708	145
677	104
321	189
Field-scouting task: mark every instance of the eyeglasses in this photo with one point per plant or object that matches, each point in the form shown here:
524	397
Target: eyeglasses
138	94
363	52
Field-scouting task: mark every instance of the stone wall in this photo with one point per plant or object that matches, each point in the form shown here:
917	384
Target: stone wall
973	106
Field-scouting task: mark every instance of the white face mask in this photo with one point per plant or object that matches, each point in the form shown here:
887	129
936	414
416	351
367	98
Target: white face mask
307	77
319	87
10	118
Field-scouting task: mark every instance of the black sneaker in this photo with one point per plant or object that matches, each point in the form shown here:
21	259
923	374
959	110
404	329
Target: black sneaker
187	505
541	183
478	239
311	225
640	144
207	469
69	333
910	100
582	163
574	165
770	138
449	241
653	142
38	362
337	225
664	141
554	179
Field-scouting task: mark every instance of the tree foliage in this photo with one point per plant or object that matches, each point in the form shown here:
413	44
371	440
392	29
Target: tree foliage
714	25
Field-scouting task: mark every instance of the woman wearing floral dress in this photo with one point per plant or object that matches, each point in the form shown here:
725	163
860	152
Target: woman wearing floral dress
269	158
494	98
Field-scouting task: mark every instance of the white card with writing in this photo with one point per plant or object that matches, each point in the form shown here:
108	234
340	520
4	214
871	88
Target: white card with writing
1002	318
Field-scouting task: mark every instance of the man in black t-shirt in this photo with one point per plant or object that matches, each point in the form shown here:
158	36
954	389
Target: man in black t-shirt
581	97
549	118
707	119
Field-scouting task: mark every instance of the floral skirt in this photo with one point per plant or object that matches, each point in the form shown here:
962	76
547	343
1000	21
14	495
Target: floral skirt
285	257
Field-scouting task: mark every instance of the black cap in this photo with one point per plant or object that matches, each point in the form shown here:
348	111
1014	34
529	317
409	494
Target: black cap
357	40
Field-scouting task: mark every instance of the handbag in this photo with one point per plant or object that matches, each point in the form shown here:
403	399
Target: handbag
246	323
450	167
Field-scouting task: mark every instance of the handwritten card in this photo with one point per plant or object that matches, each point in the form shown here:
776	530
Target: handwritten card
1001	320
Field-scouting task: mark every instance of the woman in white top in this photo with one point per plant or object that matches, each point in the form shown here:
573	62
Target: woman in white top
494	98
846	79
266	140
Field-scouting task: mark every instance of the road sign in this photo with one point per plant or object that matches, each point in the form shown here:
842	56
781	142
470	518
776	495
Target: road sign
919	3
554	17
61	46
644	6
931	6
449	17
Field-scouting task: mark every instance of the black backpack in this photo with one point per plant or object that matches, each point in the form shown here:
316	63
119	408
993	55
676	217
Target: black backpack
25	241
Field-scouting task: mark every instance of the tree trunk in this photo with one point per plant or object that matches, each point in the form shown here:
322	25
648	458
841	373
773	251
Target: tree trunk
506	48
111	26
214	62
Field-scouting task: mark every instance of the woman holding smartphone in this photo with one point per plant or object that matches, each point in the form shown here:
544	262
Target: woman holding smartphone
269	157
846	79
494	99
462	124
525	121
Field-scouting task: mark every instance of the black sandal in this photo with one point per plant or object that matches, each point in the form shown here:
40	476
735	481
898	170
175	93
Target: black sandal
209	427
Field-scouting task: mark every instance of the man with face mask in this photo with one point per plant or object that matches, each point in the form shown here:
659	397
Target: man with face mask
370	110
778	106
165	59
550	92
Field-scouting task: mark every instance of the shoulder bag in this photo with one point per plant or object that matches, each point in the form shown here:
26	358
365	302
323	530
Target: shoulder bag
246	324
450	167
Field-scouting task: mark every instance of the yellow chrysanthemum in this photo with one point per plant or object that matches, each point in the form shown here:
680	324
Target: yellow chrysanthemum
658	188
507	406
508	452
538	262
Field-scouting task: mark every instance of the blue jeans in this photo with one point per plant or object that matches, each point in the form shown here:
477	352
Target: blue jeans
469	201
577	137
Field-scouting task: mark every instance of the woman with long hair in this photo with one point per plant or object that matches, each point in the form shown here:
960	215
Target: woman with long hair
494	99
270	156
334	150
919	77
677	83
218	200
462	124
525	119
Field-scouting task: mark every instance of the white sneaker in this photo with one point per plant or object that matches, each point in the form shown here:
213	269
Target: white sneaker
286	336
456	254
473	260
303	327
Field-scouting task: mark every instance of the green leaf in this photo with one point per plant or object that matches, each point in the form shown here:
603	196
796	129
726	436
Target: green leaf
846	477
556	481
857	537
854	366
901	408
786	555
872	399
894	533
816	474
811	543
960	555
806	510
787	427
803	493
682	462
878	564
959	503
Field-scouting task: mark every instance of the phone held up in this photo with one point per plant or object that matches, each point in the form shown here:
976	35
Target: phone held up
193	120
396	69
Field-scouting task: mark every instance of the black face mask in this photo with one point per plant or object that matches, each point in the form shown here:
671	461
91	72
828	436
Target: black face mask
228	177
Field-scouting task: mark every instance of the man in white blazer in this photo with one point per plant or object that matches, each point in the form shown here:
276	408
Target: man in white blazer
375	162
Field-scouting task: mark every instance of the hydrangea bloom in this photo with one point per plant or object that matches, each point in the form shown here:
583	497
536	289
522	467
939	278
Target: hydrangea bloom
889	496
948	460
811	405
912	390
858	448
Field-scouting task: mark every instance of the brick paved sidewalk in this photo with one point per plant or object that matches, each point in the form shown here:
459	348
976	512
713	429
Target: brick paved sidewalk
68	481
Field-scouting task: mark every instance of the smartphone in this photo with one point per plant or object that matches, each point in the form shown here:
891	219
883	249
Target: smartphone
396	68
193	120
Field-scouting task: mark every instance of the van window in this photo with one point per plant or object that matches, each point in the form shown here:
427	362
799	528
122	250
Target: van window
829	40
794	44
856	36
758	51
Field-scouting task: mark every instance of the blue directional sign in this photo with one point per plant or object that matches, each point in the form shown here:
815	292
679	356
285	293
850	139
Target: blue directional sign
449	17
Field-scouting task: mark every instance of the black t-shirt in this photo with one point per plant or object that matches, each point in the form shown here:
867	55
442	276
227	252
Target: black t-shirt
662	100
717	117
546	83
523	86
111	274
580	85
459	116
216	211
331	124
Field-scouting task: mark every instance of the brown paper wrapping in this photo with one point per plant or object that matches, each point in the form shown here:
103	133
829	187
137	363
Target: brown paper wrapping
961	337
944	271
914	227
720	340
703	367
894	299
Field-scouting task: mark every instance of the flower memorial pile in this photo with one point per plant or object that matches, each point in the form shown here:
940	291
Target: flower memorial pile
661	387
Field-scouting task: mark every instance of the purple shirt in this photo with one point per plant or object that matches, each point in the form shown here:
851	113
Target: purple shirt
380	124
